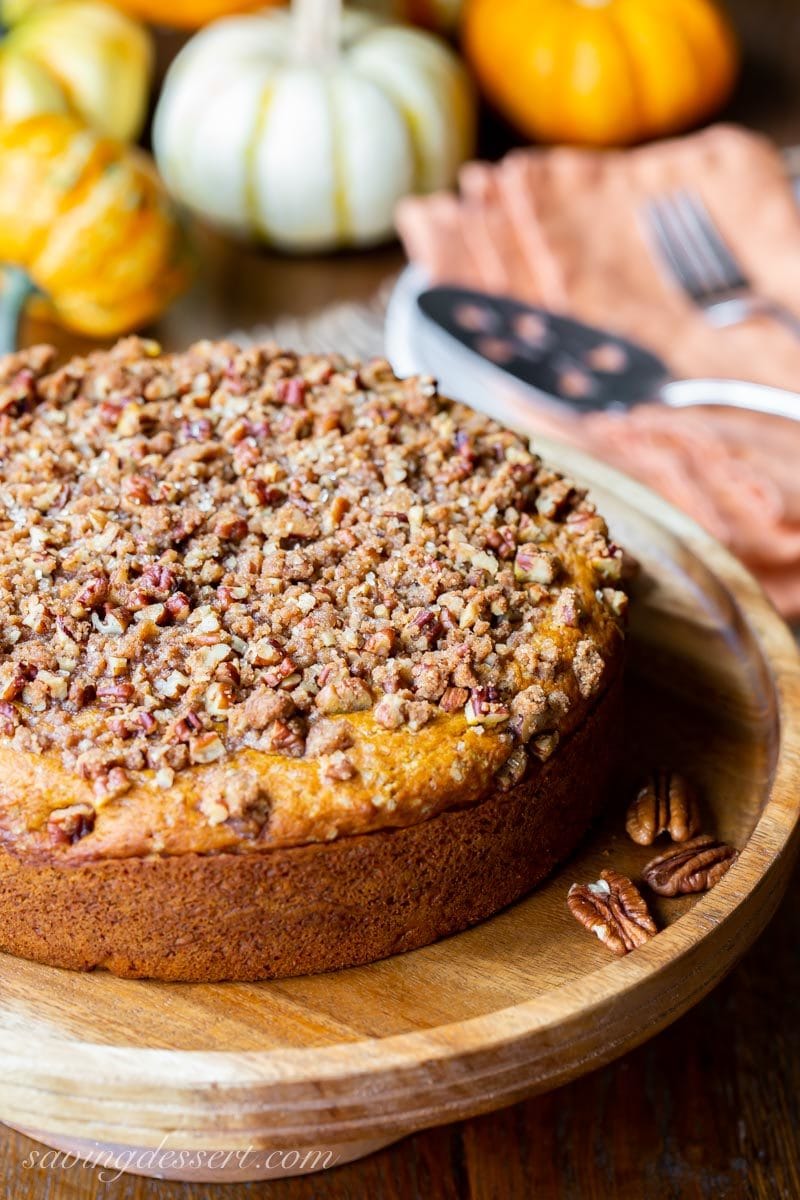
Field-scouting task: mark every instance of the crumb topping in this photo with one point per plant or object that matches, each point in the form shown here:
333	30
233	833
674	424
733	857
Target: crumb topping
231	548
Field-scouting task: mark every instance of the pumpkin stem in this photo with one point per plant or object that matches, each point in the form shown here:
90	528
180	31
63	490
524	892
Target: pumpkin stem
316	30
17	288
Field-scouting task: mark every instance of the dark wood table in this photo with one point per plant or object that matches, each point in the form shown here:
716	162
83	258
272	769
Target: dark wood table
710	1108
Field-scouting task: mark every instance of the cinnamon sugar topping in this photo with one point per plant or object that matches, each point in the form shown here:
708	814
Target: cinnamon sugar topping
226	548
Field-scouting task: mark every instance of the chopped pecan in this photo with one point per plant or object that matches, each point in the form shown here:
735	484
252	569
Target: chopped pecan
178	606
108	785
231	527
694	866
205	748
337	767
503	542
567	609
136	488
454	699
68	825
534	565
9	718
285	737
339	506
283	674
609	565
12	680
545	744
291	391
483	709
529	712
614	910
392	711
344	695
427	624
113	621
110	694
588	667
219	699
665	804
555	497
264	706
382	642
183	728
228	672
512	769
93	593
160	580
326	735
615	600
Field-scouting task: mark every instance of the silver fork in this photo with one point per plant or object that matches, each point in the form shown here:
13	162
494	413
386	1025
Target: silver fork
701	261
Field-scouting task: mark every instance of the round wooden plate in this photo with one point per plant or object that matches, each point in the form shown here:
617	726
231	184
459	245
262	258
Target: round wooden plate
295	1075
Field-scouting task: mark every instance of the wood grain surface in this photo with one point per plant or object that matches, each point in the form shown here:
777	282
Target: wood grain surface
708	1110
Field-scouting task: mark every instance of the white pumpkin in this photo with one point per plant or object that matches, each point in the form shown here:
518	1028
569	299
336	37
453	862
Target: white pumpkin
304	129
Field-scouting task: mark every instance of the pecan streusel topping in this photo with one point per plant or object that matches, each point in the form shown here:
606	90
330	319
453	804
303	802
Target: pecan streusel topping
229	548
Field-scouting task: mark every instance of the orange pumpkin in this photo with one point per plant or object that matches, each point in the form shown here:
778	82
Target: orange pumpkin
187	14
191	14
601	72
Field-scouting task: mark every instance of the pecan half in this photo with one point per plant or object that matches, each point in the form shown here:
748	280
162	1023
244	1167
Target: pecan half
614	910
693	867
666	804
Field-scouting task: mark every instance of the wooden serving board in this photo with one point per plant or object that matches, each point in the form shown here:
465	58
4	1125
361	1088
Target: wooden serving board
326	1068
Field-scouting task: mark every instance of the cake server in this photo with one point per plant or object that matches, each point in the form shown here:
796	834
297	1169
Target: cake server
498	353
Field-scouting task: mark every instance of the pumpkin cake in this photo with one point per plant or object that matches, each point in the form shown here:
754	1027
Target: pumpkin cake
301	664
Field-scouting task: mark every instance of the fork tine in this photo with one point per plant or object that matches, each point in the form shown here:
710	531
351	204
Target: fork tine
672	249
703	222
711	275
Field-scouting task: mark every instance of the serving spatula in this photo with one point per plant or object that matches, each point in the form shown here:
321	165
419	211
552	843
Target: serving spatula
472	340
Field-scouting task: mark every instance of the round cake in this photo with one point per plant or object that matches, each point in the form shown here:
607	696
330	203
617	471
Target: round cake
301	664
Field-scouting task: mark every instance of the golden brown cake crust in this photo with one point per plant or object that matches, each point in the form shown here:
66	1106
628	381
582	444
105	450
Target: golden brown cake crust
311	908
251	601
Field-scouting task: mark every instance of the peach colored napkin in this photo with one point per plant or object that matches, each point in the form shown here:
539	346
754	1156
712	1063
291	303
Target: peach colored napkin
563	228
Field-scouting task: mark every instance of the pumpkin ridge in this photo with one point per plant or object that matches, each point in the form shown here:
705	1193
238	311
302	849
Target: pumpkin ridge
406	112
120	49
549	74
81	169
52	70
251	189
640	97
341	208
687	39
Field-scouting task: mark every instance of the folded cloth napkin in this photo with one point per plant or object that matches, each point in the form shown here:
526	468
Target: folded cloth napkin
564	228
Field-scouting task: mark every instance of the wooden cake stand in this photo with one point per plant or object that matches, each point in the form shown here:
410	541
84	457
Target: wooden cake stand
296	1075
